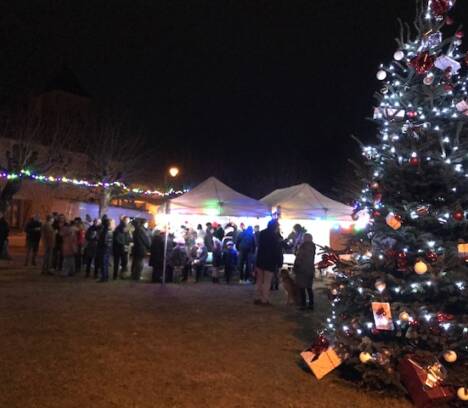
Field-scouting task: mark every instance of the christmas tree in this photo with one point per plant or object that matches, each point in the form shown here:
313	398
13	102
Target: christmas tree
405	290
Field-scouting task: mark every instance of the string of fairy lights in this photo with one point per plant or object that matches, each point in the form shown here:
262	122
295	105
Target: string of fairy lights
40	178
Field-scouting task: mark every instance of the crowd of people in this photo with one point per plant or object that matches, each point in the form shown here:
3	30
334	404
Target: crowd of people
92	247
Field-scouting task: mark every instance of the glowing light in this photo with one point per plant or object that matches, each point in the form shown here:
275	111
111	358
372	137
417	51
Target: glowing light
174	171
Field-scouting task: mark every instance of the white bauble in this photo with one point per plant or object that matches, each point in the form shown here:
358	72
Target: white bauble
428	80
420	268
365	357
462	393
450	356
380	285
399	55
404	316
381	75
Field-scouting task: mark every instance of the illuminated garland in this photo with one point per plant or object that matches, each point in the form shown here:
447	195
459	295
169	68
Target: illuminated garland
84	183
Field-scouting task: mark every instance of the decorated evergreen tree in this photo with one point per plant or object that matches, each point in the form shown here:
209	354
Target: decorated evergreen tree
405	291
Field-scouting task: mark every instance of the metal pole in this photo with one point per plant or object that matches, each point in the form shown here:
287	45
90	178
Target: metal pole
165	243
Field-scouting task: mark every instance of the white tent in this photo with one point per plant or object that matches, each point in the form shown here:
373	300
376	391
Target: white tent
304	202
214	198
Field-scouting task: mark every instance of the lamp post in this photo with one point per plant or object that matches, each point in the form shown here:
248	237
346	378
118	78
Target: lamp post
173	172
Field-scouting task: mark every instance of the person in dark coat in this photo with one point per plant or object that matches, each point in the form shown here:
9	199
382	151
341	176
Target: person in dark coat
157	256
91	238
246	247
121	240
304	269
229	261
48	241
208	239
219	232
269	260
4	232
141	245
179	260
104	248
59	223
33	237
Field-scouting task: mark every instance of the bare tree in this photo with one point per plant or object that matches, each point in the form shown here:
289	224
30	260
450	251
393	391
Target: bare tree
31	143
114	155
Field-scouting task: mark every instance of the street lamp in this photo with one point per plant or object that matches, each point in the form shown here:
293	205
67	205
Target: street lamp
173	172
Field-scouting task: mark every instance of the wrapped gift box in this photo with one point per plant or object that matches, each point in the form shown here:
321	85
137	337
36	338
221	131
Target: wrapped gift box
424	387
321	364
382	316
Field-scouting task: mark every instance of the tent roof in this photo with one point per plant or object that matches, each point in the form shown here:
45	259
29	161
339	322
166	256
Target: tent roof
303	202
212	197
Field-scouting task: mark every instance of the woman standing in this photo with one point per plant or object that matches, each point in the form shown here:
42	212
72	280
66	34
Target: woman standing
304	269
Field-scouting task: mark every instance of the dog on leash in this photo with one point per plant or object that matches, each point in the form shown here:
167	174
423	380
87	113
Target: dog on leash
289	287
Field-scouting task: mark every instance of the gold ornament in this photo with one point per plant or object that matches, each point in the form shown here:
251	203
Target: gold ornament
404	316
462	393
420	268
365	357
450	356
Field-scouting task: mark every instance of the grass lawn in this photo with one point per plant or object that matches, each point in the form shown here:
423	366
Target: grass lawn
70	342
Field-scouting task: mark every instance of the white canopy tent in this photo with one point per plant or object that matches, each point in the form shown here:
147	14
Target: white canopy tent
302	204
305	202
213	200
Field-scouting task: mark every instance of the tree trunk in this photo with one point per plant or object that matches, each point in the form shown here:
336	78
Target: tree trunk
104	201
9	190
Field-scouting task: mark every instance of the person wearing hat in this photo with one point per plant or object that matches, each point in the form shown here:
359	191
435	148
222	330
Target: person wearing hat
229	261
199	254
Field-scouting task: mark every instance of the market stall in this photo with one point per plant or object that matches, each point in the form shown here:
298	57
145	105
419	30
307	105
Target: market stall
213	201
304	205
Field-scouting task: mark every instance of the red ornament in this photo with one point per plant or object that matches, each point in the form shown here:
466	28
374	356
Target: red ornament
376	213
444	317
412	114
375	185
440	7
402	255
414	161
448	87
458	215
398	217
459	34
431	256
377	197
414	323
422	63
449	20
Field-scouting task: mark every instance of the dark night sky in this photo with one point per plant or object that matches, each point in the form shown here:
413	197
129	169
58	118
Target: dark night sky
259	93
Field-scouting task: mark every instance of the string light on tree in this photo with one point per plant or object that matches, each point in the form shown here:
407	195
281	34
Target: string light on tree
415	194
